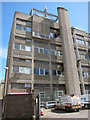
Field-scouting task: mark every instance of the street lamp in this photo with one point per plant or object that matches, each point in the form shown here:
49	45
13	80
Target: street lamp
6	68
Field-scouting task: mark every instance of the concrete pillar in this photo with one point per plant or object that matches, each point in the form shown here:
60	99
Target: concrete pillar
69	60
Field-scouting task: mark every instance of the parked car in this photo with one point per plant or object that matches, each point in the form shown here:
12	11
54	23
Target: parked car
69	103
50	104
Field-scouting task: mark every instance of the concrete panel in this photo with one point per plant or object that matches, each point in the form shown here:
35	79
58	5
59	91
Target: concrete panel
70	68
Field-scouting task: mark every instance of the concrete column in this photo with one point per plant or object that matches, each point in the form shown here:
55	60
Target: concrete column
69	60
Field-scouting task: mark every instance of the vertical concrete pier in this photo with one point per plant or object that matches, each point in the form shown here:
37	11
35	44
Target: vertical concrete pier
70	67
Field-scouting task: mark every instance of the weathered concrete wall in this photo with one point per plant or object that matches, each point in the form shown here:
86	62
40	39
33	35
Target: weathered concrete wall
70	67
19	106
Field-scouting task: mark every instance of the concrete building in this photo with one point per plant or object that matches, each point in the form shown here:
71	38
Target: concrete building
47	55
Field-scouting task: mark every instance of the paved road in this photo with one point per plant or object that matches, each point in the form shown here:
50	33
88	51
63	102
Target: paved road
52	113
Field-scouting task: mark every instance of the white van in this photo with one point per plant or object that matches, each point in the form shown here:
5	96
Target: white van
69	103
85	100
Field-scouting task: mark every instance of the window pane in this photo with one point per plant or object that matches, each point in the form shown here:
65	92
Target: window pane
24	28
36	70
28	29
36	49
27	85
41	50
27	61
80	41
15	69
46	71
60	53
22	47
17	46
46	51
21	69
53	52
41	71
58	72
18	27
53	72
28	71
51	34
28	48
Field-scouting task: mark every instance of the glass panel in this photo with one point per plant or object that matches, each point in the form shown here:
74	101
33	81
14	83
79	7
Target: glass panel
36	71
41	50
28	61
17	46
28	29
28	71
22	47
60	53
36	49
51	34
21	69
41	71
80	41
18	27
53	72
28	48
53	52
46	51
46	71
15	69
24	28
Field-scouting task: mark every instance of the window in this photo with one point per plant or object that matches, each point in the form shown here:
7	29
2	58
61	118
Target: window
41	71
41	50
27	85
62	74
28	61
46	71
15	69
42	94
36	71
17	46
28	70
28	48
85	74
15	59
36	49
47	36
58	72
18	27
53	72
53	52
87	43
51	35
78	41
24	28
60	53
21	70
22	47
28	29
46	51
19	38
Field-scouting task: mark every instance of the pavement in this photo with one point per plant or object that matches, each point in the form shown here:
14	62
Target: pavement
52	113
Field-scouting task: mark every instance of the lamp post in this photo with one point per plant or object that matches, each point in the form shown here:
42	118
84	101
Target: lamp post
5	90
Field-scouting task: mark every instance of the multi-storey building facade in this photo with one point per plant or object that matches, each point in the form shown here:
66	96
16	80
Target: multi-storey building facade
47	56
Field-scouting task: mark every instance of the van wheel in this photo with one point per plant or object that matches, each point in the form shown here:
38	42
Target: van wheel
56	107
86	106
